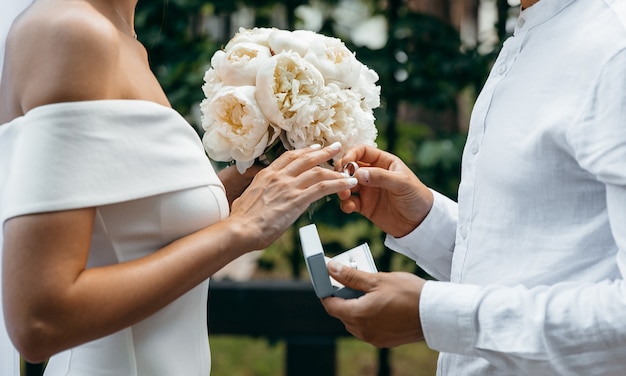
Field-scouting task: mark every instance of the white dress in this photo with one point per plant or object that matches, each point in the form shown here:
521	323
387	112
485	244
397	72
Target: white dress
143	166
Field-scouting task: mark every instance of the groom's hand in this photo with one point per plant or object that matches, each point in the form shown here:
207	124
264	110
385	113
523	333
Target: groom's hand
387	315
388	193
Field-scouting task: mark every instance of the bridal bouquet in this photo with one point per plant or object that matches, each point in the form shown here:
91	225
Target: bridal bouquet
271	88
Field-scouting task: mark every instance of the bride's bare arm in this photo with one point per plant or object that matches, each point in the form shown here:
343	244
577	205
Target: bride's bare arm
51	300
234	182
53	303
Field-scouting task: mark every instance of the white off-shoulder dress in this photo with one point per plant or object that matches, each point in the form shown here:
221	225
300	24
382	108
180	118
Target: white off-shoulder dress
143	166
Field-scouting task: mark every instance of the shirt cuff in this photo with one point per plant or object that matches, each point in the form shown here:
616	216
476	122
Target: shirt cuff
447	308
431	244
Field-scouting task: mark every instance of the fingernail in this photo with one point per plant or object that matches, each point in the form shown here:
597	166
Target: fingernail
335	146
316	146
334	267
352	181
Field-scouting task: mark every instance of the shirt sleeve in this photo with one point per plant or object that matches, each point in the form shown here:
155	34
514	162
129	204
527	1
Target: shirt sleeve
431	244
564	329
568	328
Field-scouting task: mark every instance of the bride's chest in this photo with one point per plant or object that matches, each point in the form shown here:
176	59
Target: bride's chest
133	229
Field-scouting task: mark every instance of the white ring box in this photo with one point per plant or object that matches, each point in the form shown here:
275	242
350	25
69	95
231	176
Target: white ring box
359	257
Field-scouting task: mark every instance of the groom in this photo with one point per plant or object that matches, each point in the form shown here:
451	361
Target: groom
530	264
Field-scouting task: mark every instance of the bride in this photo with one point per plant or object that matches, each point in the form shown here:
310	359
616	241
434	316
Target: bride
113	217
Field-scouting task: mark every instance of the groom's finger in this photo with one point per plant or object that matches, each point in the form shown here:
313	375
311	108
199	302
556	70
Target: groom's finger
368	156
353	278
380	178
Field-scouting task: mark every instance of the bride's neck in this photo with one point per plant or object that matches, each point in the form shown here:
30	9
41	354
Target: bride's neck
121	13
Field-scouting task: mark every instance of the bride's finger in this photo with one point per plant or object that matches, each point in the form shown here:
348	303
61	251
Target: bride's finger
297	161
317	174
324	187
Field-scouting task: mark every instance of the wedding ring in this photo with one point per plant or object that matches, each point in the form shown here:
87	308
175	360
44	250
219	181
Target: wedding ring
349	169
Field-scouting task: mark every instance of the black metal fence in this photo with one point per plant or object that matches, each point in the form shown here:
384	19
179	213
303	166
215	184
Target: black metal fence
287	310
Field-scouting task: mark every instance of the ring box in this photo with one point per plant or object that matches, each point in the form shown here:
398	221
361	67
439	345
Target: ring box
359	257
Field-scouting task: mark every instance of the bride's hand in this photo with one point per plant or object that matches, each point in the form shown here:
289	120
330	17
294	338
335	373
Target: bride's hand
281	192
235	182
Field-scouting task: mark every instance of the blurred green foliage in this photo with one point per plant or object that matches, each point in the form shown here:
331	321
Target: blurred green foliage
422	66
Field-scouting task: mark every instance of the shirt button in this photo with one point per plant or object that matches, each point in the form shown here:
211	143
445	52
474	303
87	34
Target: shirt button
521	22
501	69
463	231
474	148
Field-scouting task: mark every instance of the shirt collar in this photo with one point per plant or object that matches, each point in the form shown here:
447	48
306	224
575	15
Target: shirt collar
539	13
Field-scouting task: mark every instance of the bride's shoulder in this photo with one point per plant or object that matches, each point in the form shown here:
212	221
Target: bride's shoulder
61	51
70	25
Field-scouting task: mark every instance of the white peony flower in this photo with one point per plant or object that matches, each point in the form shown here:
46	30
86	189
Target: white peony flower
212	83
334	60
218	59
257	35
297	41
340	117
236	129
240	63
296	88
367	88
287	86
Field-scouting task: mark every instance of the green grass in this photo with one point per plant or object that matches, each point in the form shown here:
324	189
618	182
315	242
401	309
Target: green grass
246	356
